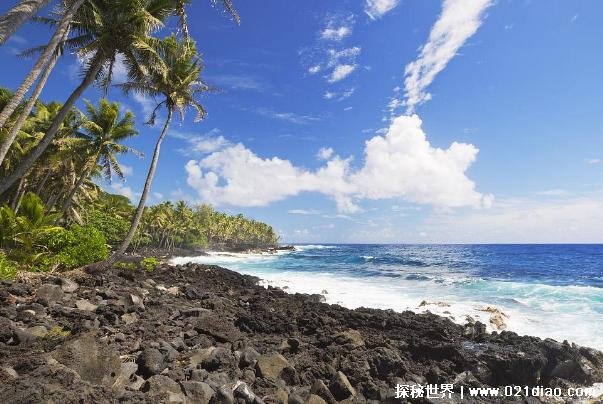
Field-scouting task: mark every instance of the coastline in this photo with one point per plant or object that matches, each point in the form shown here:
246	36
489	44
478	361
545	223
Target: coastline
199	333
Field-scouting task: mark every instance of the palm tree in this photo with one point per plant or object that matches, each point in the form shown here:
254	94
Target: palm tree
179	86
16	16
104	28
45	63
104	130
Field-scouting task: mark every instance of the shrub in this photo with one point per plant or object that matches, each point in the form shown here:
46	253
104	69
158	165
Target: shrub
126	265
75	247
149	264
113	226
8	269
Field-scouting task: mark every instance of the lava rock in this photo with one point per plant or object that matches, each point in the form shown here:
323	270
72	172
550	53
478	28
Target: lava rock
340	387
150	362
271	366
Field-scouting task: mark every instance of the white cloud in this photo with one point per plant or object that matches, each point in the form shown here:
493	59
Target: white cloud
458	21
553	192
346	55
205	143
314	69
329	95
335	34
398	165
593	161
567	220
303	212
128	171
147	104
237	82
325	153
120	189
378	8
340	72
287	116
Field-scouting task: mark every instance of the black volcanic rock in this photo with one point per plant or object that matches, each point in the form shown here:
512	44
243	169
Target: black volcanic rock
209	335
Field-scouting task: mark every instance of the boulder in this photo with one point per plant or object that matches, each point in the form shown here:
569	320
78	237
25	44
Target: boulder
48	293
150	362
314	399
340	387
163	389
85	305
319	388
351	338
271	366
68	286
218	327
249	357
95	362
197	392
128	369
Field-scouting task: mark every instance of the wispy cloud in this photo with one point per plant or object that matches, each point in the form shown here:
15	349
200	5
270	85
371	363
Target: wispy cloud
553	192
303	212
340	72
287	116
209	142
337	28
378	8
458	21
237	82
592	161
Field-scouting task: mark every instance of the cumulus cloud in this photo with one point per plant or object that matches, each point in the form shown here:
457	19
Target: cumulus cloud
340	72
378	8
336	34
400	164
201	143
121	189
458	21
325	153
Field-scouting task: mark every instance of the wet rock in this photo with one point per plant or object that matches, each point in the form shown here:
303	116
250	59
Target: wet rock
271	366
94	362
85	305
150	362
49	293
340	387
197	392
162	388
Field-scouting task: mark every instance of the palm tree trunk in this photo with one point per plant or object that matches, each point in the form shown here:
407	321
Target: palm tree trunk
14	130
31	158
43	181
143	197
47	54
16	16
19	194
76	187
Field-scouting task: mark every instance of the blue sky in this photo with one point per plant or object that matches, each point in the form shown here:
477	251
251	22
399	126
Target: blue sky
388	121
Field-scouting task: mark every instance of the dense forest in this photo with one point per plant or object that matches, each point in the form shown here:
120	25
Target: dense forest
54	214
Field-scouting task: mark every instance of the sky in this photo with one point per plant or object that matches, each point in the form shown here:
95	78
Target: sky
382	121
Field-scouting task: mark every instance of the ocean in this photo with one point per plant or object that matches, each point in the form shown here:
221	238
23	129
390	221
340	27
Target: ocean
548	291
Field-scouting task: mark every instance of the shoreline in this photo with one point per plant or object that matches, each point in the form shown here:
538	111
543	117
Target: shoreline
196	331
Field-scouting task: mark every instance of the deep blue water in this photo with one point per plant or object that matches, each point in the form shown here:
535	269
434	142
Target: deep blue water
544	290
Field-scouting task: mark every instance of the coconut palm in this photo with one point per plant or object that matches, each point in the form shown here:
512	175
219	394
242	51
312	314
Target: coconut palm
16	16
104	29
104	130
178	86
44	66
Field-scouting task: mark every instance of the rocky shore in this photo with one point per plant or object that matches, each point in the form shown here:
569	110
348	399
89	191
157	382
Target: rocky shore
204	334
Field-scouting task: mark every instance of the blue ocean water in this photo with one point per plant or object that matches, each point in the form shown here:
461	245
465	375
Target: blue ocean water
543	290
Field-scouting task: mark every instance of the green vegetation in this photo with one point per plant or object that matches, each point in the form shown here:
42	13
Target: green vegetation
149	264
53	213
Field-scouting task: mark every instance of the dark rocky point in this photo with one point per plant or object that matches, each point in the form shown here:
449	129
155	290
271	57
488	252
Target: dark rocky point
204	334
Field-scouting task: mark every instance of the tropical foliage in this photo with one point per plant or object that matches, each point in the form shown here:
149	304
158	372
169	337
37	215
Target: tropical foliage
53	156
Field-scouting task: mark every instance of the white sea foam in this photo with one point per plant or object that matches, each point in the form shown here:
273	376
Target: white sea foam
558	312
